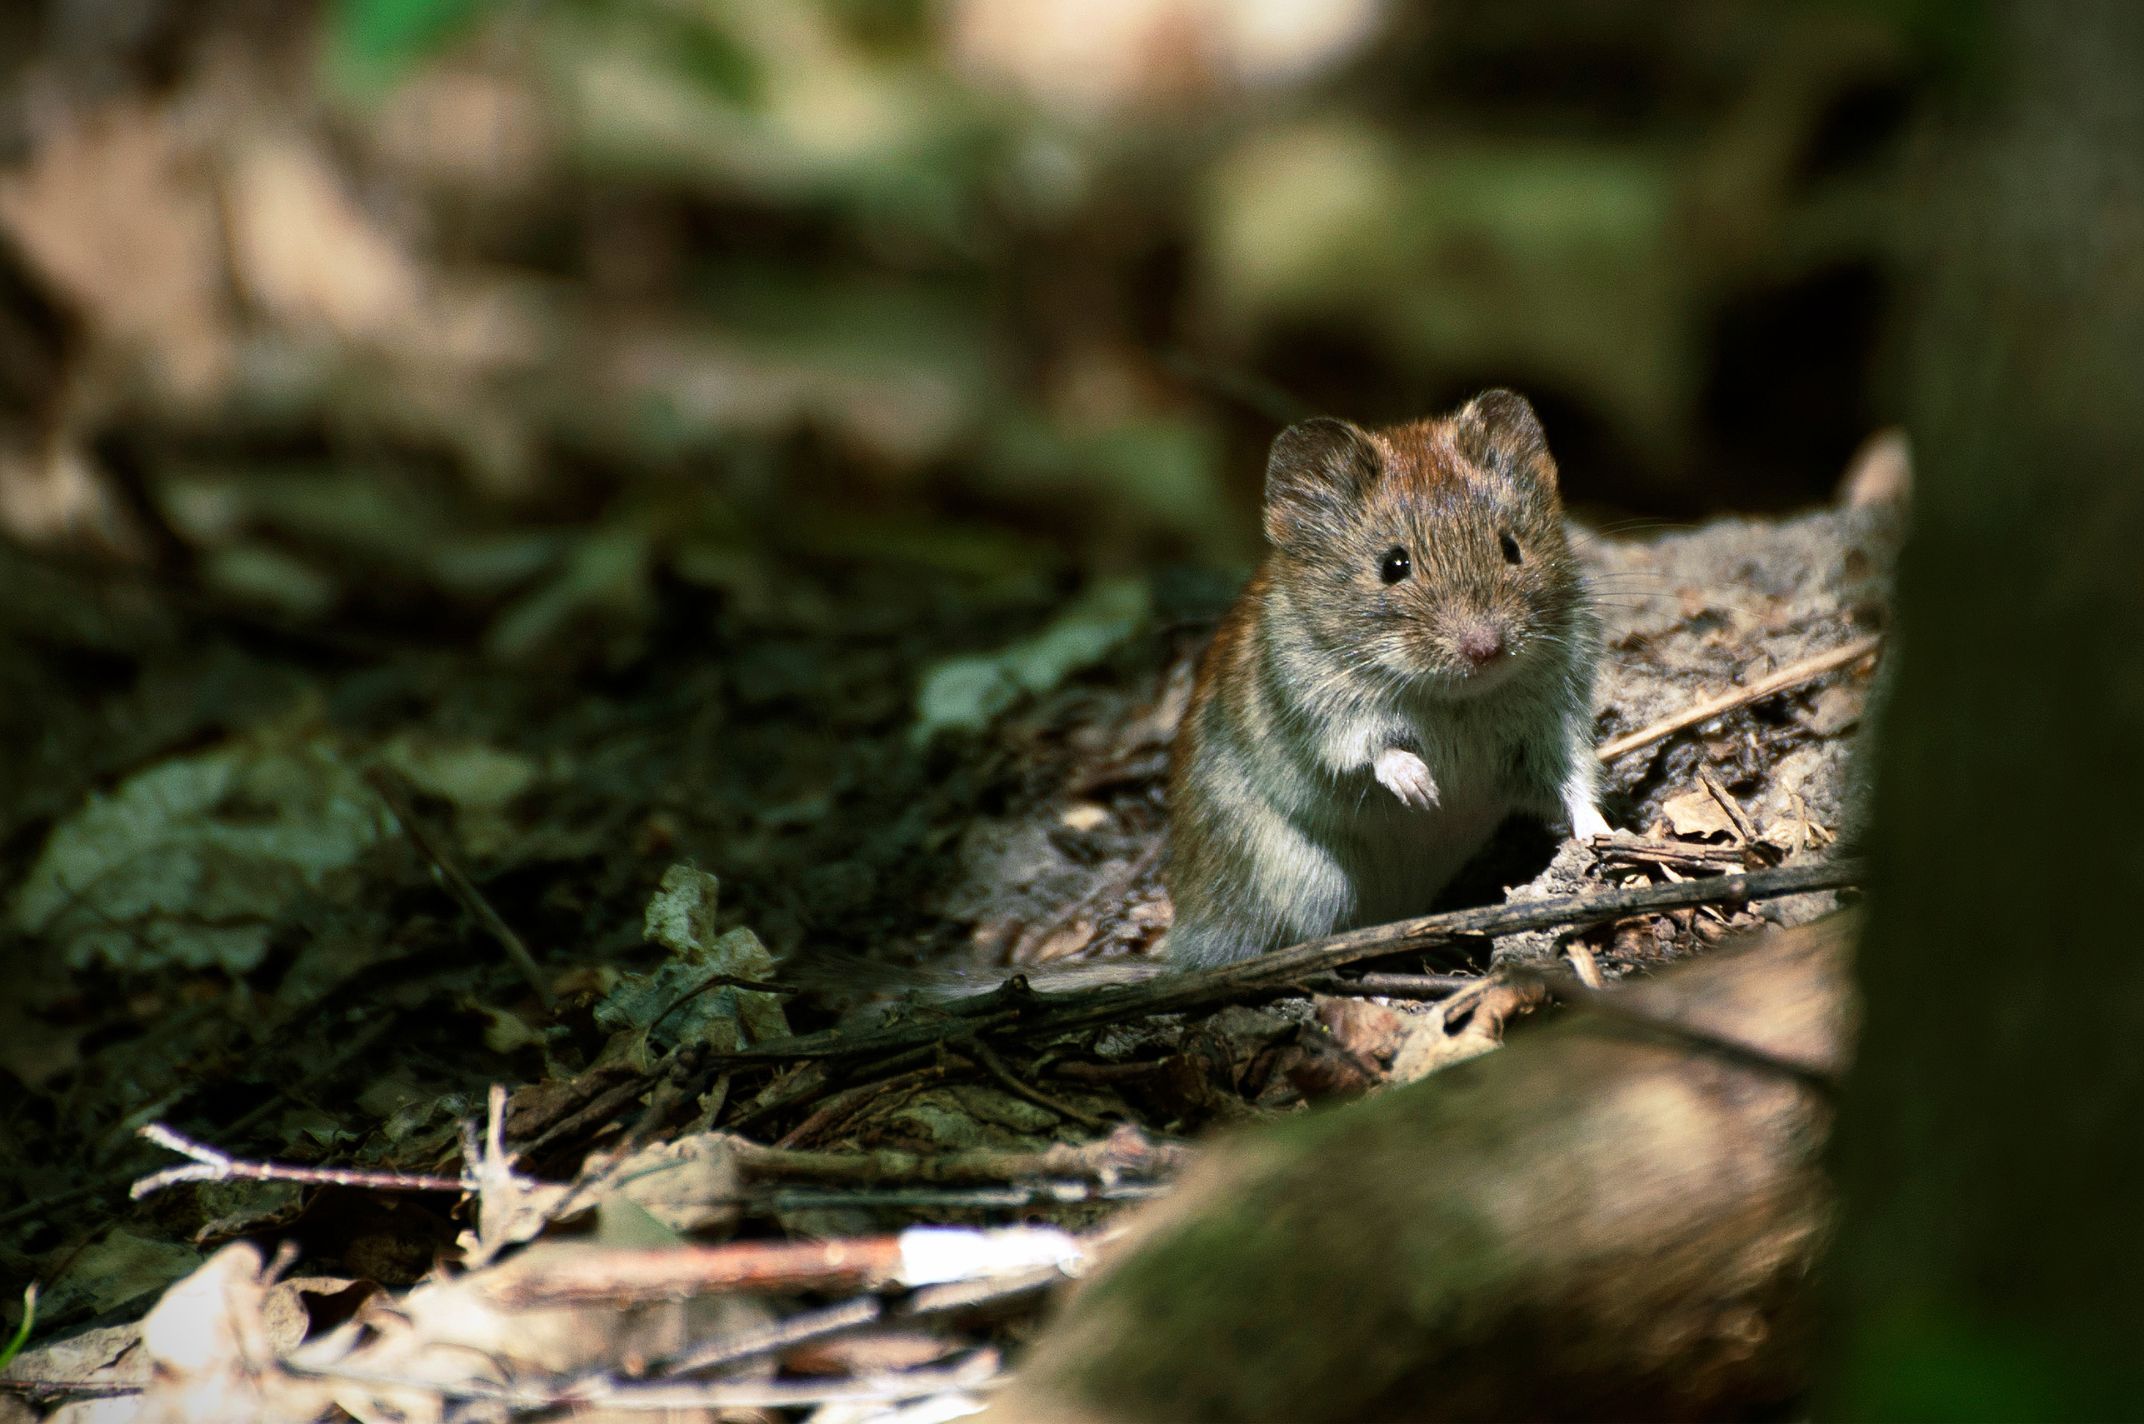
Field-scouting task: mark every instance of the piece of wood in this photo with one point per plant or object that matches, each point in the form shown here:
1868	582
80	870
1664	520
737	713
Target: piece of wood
1988	1263
1787	678
1599	1221
1040	1015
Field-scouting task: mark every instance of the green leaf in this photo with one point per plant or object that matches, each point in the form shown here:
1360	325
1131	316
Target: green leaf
378	39
13	1347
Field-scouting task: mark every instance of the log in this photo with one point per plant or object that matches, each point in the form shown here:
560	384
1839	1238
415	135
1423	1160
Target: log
1603	1220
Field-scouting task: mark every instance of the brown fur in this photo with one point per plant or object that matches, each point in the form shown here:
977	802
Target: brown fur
1282	828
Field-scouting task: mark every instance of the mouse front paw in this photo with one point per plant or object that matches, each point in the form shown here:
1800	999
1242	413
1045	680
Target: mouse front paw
1406	776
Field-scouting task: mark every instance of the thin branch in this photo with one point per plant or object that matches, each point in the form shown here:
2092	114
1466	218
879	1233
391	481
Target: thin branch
1744	826
919	1256
1791	676
1394	986
1283	970
849	1316
209	1165
995	1067
1125	1152
847	1103
1623	851
395	792
1015	1197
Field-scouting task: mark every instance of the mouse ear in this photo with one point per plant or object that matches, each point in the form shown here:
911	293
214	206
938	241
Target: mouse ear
1499	429
1318	472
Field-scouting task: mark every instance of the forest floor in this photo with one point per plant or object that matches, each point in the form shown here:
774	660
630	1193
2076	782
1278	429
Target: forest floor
536	872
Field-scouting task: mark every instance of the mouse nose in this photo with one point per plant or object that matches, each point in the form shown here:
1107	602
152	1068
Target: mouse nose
1481	644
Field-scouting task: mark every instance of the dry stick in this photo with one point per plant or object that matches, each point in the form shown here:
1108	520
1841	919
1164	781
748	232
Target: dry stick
1791	676
1620	851
850	1101
918	1256
1017	1197
995	1067
1125	1152
395	792
1040	1015
856	1078
851	1315
1395	986
209	1165
1744	826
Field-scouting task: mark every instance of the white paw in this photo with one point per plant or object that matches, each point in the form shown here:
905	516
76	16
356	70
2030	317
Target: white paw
1406	776
1588	822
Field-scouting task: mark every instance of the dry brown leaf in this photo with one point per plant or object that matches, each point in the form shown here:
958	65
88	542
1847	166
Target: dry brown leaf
1362	1026
306	253
1834	709
1694	813
118	213
1462	1027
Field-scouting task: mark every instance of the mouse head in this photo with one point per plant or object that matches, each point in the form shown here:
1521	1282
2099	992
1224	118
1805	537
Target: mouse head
1433	551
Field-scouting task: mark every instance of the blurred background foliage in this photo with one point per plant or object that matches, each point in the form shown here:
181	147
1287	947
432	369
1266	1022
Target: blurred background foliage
976	282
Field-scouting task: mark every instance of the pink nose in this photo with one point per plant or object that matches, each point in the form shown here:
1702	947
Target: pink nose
1481	644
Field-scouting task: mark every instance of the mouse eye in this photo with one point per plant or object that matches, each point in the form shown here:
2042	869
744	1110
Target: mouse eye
1510	546
1396	566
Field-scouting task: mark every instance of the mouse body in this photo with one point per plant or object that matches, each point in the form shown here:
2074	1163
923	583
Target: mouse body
1412	662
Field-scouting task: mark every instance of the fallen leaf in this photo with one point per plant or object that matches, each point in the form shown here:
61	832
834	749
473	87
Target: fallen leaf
1834	709
1464	1026
193	860
1697	815
967	693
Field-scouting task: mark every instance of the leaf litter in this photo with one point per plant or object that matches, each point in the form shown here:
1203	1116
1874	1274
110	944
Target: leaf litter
1027	837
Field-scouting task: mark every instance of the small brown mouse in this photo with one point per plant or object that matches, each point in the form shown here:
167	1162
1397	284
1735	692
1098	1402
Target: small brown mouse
1412	662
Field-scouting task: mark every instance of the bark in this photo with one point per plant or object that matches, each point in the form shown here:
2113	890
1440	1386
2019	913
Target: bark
1989	1154
1595	1222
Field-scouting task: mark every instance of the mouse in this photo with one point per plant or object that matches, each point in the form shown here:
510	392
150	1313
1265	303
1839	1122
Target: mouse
1412	662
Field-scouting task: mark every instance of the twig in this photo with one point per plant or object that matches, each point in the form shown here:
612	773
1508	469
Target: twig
1395	986
718	981
395	792
1125	1152
1683	855
825	1083
995	1067
919	1256
851	1315
1016	1197
779	1337
1791	676
1284	969
209	1165
850	1101
1744	826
